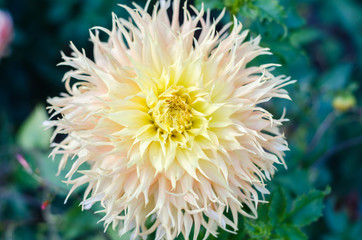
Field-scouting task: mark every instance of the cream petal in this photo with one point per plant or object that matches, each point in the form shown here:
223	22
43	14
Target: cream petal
156	157
187	161
131	118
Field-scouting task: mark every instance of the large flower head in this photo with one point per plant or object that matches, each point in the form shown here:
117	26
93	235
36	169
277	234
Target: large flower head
168	118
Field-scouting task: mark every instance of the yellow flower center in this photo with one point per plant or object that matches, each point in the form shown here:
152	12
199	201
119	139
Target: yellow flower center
172	113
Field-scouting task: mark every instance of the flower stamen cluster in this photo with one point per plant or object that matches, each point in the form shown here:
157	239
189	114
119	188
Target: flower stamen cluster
172	112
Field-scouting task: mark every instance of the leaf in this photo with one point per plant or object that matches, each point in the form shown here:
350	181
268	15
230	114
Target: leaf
304	36
210	4
45	172
77	224
290	232
32	133
293	18
249	11
263	212
48	170
277	207
308	208
114	234
296	181
337	78
270	10
258	229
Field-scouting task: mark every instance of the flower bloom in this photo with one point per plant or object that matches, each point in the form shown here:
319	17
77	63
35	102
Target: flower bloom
6	32
168	118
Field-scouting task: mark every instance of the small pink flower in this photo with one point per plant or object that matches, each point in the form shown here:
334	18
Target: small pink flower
6	32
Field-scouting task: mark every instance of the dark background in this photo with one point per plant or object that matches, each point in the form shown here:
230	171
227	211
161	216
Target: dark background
318	42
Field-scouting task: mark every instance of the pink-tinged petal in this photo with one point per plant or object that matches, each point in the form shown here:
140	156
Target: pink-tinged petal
24	163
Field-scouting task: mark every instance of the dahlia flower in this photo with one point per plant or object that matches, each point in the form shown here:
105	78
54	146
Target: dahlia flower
168	118
6	32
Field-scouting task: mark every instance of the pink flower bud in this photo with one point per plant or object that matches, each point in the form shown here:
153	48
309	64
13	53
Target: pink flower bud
24	163
6	32
44	205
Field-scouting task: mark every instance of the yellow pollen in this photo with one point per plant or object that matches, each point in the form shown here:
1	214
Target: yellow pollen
172	113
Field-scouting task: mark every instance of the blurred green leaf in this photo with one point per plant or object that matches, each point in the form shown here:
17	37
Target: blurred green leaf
249	11
211	4
114	234
347	13
258	229
32	133
304	36
277	207
270	10
290	232
336	78
294	20
48	170
296	181
78	224
308	208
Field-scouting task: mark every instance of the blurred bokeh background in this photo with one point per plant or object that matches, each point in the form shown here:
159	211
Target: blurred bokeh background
318	42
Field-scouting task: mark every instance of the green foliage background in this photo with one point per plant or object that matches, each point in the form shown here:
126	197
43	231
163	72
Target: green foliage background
318	42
